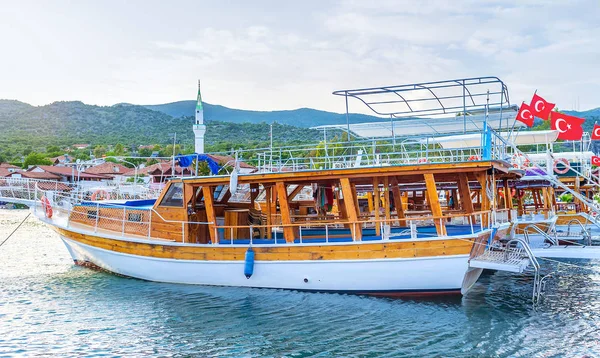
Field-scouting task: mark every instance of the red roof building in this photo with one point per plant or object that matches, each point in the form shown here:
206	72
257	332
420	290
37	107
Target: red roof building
160	172
6	169
35	175
67	173
61	159
109	169
80	146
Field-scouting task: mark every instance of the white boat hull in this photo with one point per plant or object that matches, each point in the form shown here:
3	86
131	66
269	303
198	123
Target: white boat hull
568	252
382	276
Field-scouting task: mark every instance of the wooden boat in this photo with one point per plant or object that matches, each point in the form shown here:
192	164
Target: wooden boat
194	234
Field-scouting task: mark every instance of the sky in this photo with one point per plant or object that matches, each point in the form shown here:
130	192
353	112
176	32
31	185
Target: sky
274	55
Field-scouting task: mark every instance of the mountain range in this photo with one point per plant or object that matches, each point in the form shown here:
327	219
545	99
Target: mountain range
23	126
301	117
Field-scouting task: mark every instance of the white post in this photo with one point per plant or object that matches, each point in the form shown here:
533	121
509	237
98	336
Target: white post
481	221
150	224
471	222
123	231
97	215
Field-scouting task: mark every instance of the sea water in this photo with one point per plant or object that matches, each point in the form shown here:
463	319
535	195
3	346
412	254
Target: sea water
48	306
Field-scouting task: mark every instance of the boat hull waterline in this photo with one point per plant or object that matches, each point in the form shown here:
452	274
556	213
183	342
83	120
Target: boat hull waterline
381	277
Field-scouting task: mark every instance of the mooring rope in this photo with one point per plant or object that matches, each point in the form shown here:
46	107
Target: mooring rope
15	230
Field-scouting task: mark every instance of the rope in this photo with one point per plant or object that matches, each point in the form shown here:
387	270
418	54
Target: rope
15	230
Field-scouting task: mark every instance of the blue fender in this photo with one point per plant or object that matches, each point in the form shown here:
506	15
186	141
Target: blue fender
249	263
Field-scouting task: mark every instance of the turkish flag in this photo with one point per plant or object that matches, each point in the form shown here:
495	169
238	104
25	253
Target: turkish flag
568	127
525	115
596	132
540	107
595	160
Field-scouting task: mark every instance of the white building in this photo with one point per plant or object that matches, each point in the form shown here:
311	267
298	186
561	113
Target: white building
199	127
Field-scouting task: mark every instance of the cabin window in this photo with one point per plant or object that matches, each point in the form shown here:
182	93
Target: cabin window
174	196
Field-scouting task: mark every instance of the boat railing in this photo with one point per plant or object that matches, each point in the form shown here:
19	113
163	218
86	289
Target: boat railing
122	221
27	191
475	220
375	152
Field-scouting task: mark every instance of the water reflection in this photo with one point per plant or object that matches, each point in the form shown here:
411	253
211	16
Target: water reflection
49	306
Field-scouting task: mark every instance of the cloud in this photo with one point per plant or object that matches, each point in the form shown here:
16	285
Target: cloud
294	54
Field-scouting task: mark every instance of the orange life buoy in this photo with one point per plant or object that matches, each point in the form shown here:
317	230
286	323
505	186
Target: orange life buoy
520	161
564	162
513	192
46	206
100	194
474	157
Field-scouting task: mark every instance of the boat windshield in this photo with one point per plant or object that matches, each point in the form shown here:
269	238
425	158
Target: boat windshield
174	196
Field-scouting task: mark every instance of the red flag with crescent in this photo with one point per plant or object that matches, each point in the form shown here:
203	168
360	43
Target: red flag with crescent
568	127
525	115
540	107
596	160
596	132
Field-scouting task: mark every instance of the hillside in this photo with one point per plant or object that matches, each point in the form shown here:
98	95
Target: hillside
65	123
24	127
302	117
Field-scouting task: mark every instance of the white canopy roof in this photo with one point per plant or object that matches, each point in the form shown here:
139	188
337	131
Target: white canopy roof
570	156
428	126
474	139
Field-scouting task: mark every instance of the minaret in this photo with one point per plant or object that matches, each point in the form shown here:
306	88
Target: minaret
199	127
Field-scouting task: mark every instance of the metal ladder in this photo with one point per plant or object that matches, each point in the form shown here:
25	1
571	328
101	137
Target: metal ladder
545	235
514	256
587	237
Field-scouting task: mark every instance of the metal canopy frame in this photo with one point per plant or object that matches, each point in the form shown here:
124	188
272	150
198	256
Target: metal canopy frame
459	97
434	98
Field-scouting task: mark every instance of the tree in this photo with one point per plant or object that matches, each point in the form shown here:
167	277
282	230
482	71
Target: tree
99	151
35	159
82	156
168	151
145	152
119	149
51	149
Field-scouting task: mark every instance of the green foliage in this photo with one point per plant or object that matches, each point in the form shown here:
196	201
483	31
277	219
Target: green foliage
119	149
132	179
36	159
168	150
130	162
145	152
99	151
81	156
566	198
27	129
